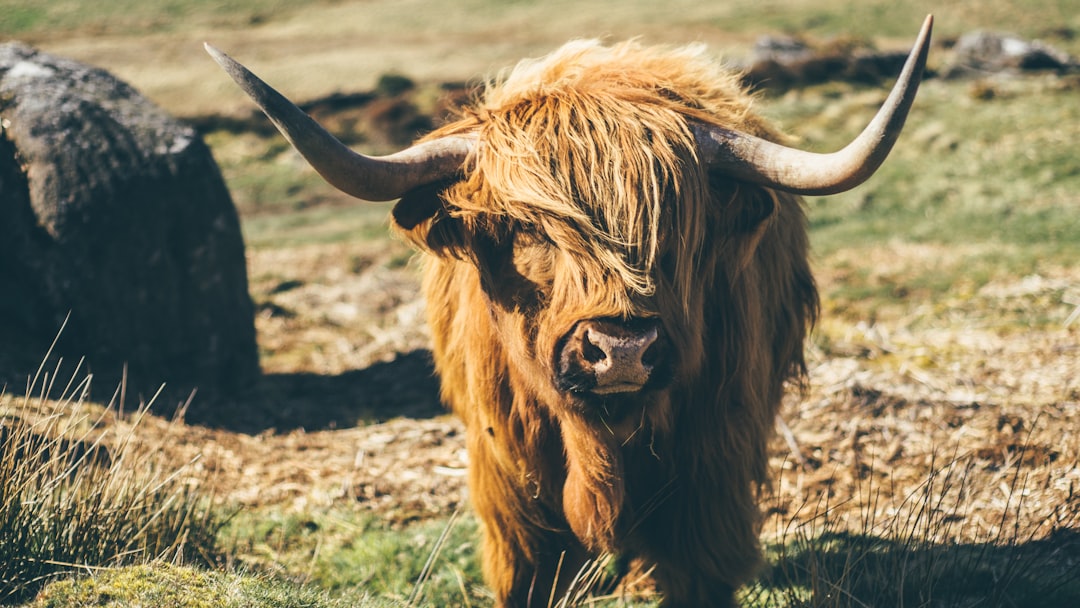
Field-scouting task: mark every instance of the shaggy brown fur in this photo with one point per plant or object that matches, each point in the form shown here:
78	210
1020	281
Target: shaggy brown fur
585	200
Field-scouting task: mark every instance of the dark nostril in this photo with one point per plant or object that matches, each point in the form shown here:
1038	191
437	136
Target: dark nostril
590	351
651	356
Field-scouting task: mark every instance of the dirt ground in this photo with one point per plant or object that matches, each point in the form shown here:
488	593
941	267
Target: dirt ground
940	404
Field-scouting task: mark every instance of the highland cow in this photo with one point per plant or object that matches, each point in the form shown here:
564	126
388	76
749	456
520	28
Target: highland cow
618	292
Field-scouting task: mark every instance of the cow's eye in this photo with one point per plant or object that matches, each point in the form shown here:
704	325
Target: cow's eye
517	272
534	261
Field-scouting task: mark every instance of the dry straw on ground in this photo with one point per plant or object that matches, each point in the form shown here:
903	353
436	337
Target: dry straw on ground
889	404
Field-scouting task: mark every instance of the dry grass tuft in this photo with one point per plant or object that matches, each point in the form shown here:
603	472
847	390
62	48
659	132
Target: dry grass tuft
77	499
928	549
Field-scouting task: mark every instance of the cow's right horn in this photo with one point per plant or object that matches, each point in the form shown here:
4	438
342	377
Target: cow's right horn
763	162
379	178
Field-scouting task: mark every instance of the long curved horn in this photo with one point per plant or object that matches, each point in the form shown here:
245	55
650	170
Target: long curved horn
379	178
763	162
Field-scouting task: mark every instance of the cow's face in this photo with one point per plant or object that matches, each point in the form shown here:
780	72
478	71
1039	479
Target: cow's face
577	335
588	232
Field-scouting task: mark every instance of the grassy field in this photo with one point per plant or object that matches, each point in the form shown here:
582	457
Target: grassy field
323	46
936	452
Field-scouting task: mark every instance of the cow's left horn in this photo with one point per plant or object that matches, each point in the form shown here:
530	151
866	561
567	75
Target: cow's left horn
756	160
380	178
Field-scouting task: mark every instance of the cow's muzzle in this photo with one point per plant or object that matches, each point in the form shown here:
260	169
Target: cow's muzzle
606	357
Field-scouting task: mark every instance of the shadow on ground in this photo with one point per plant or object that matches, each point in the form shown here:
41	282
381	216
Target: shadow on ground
403	387
865	570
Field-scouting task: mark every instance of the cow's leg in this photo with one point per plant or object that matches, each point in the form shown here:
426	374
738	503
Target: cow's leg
682	589
704	545
529	553
521	580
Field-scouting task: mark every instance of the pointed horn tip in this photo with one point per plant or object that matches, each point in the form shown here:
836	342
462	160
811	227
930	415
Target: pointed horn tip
212	50
927	26
250	83
922	41
220	57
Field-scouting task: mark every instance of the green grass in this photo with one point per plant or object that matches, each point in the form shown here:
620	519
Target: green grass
359	221
23	17
870	20
165	585
874	20
906	555
965	171
264	174
991	186
344	549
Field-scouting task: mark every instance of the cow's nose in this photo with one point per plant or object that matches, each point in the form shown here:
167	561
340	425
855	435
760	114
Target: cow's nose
604	356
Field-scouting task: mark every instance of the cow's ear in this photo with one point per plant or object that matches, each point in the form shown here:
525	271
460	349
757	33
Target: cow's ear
752	218
745	209
420	204
422	218
751	210
746	215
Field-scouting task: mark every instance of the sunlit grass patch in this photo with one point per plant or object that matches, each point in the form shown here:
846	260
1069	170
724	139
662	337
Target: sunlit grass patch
975	192
957	176
27	17
165	585
433	562
320	225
